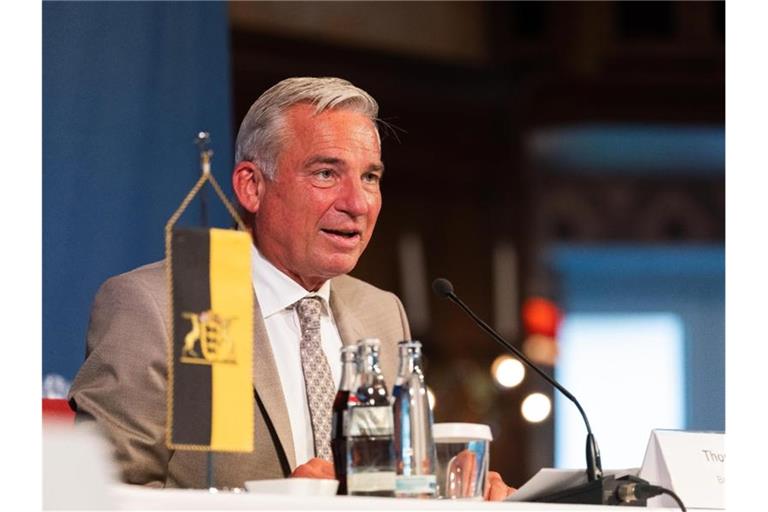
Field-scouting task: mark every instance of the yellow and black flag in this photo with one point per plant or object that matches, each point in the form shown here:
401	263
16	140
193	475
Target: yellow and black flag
211	390
210	350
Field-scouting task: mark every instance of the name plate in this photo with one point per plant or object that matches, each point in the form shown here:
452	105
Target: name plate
692	464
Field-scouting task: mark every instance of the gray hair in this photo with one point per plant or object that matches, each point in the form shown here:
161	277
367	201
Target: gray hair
260	136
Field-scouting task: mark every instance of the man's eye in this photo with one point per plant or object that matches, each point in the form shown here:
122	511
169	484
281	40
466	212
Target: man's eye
324	174
371	177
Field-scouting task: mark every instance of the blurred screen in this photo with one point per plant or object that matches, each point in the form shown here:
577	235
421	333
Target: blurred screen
627	371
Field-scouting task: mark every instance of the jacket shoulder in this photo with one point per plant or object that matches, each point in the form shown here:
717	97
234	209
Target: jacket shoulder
359	290
150	272
148	279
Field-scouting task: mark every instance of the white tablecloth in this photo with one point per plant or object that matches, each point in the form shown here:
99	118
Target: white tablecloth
126	497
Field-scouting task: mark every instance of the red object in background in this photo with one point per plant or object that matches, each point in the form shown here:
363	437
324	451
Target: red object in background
57	409
541	316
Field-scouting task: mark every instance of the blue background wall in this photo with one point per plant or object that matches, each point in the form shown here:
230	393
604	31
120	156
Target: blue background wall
126	86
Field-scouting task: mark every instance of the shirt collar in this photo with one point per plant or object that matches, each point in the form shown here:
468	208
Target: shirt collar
275	291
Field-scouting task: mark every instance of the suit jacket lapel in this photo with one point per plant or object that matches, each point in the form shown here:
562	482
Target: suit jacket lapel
351	329
349	326
266	381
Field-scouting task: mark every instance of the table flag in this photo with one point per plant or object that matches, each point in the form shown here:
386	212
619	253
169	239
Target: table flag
210	388
210	348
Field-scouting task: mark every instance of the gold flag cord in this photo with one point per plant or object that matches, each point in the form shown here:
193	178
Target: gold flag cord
206	176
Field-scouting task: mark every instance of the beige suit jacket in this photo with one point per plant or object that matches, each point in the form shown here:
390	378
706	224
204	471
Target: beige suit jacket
122	383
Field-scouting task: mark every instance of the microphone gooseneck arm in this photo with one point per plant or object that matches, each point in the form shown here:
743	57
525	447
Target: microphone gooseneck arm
444	288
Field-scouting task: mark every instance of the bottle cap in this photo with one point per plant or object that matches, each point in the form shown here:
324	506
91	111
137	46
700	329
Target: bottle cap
369	342
348	353
411	344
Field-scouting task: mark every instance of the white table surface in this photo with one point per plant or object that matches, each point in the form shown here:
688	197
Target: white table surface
127	497
78	475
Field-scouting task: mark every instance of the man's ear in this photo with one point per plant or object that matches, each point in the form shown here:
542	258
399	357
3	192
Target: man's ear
248	184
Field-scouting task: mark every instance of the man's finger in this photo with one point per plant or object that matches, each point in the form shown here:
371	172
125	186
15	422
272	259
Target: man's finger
467	463
314	468
497	490
492	479
326	469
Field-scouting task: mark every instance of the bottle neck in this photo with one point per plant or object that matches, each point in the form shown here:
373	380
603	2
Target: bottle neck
410	361
369	363
348	373
371	388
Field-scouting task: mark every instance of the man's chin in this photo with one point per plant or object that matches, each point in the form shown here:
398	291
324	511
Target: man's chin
339	265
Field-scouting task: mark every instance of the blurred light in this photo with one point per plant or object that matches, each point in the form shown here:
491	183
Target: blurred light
541	349
431	398
536	407
55	386
507	371
541	316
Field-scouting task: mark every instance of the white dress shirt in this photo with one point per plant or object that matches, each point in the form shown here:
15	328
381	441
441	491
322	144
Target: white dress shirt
276	294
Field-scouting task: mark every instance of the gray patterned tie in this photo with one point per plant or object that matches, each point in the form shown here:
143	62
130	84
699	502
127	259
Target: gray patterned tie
317	375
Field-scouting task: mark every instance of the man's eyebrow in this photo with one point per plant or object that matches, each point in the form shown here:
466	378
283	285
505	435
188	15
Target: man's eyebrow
376	168
320	159
330	160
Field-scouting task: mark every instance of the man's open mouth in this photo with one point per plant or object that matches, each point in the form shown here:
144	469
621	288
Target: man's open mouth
341	232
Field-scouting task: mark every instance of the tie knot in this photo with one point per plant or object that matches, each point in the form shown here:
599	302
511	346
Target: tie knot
309	307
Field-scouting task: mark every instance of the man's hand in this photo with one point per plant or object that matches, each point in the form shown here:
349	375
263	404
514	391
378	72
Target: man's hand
462	469
497	490
315	468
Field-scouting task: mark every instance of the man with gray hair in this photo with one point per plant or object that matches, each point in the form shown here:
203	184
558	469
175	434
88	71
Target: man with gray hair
307	177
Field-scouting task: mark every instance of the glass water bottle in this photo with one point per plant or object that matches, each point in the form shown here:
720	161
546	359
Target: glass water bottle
370	468
415	459
345	398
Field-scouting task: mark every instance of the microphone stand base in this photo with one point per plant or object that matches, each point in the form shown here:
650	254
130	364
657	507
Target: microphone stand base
597	492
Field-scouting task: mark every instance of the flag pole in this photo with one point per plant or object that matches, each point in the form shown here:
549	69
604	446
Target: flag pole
203	141
219	332
209	472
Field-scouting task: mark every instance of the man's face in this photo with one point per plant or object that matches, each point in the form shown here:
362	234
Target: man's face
317	215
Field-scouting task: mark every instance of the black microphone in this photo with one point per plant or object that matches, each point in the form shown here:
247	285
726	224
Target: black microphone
443	288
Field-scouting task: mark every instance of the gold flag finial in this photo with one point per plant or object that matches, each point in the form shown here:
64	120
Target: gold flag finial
203	142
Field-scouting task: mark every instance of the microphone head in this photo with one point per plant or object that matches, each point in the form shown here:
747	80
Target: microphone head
442	287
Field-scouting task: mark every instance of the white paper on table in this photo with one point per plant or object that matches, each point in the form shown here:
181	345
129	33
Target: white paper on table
550	480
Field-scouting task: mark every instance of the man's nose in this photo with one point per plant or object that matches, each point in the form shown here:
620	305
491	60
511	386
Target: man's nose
353	198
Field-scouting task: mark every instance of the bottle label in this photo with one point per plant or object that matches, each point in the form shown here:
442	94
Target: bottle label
415	484
370	481
369	421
